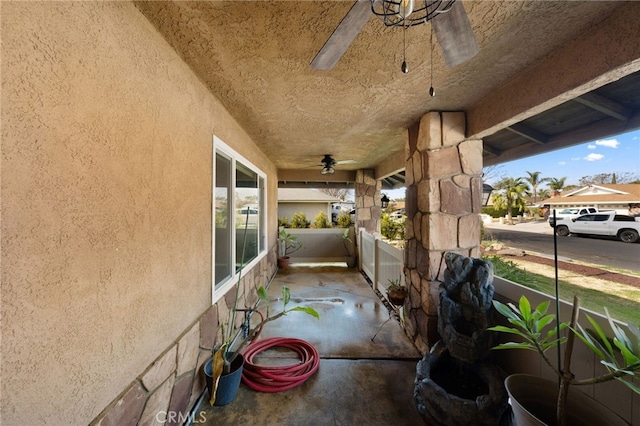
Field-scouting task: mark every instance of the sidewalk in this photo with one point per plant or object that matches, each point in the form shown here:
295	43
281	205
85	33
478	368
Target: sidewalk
539	226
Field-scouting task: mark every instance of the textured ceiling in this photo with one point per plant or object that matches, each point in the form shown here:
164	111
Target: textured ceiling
255	55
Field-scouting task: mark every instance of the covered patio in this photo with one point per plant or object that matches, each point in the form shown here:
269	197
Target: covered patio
359	381
135	133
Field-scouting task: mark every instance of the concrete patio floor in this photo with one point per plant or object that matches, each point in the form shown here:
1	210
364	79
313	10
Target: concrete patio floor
359	381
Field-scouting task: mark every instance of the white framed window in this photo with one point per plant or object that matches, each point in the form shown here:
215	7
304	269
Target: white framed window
238	217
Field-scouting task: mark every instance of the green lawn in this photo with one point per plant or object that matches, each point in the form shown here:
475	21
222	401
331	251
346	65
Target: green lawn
623	302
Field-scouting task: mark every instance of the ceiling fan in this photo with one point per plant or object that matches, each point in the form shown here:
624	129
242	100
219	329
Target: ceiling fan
448	18
328	164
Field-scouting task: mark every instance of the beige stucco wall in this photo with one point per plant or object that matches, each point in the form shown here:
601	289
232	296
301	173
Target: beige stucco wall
106	204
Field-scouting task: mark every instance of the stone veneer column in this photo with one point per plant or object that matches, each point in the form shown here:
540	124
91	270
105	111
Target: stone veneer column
368	201
443	199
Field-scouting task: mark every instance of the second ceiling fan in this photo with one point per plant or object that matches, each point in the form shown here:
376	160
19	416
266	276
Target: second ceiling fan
448	18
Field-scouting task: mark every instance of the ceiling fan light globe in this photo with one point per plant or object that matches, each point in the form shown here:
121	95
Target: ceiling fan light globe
405	8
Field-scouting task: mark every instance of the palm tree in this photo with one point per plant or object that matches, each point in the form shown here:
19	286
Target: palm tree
556	185
534	180
511	194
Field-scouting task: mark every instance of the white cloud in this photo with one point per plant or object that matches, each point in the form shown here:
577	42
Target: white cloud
576	158
609	143
590	146
562	163
594	157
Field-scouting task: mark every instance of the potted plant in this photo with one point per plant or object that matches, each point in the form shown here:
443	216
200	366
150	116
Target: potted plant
224	370
225	366
621	358
347	242
288	245
396	292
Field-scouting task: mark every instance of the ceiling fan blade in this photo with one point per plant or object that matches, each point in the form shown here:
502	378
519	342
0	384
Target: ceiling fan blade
343	36
455	35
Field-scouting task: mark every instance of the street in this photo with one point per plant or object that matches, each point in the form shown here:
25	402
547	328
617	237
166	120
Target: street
538	237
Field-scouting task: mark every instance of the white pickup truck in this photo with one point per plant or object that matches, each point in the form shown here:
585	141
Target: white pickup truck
625	228
571	213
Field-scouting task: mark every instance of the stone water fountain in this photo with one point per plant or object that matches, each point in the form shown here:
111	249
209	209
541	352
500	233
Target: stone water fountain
455	383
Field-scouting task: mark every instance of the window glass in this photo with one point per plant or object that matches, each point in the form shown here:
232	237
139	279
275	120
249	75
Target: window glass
247	218
222	232
238	216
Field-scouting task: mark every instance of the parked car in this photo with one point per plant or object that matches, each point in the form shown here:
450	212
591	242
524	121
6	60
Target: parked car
571	213
625	228
397	215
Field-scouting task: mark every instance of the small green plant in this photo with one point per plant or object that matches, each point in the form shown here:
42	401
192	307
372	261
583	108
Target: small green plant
321	220
346	241
344	220
397	292
299	220
224	356
288	243
621	359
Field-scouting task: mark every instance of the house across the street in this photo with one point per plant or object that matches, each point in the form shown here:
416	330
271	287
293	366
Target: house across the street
623	198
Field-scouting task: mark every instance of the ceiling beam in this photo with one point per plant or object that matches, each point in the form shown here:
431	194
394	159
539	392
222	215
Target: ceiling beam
605	106
313	175
605	128
556	79
529	133
490	150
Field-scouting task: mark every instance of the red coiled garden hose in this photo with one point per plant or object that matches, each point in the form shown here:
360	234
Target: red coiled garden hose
279	378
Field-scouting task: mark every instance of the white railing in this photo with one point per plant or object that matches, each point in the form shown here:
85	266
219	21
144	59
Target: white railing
380	261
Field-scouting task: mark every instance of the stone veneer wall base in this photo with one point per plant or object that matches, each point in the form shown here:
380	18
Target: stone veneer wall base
172	385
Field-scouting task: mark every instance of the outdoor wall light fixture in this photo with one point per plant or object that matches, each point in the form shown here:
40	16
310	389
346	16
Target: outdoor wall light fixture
384	201
486	193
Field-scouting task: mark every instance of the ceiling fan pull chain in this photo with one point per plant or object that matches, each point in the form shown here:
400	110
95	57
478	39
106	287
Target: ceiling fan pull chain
404	67
432	91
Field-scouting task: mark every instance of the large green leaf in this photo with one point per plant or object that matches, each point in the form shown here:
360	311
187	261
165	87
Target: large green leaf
306	310
587	340
515	345
542	308
525	308
263	295
286	295
504	310
544	321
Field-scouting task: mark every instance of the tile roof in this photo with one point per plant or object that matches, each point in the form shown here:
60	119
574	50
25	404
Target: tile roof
617	194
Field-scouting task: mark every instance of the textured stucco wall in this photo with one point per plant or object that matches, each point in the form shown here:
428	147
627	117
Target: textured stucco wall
106	204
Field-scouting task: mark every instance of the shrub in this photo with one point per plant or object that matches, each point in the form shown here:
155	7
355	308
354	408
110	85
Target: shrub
321	220
283	222
299	220
344	220
391	229
494	212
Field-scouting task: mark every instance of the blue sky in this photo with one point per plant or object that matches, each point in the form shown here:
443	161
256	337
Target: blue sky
620	154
